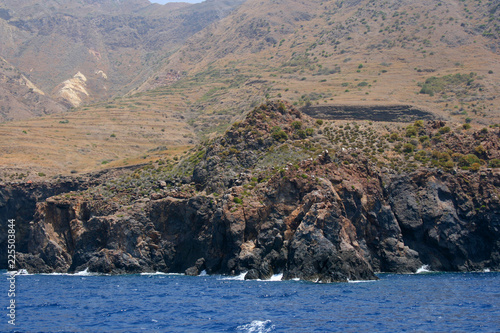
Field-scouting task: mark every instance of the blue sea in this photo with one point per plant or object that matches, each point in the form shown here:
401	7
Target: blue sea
435	302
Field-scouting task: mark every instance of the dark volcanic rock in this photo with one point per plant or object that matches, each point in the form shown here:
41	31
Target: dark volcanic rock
316	220
18	201
452	222
317	232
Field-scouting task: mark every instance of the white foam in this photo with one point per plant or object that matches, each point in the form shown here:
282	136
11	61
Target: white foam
240	277
160	273
83	273
360	281
276	277
19	272
203	273
486	270
257	326
424	269
22	272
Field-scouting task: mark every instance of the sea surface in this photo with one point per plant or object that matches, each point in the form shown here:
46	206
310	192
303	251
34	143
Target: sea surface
432	302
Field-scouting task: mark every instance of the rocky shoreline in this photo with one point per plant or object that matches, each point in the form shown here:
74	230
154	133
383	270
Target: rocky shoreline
330	218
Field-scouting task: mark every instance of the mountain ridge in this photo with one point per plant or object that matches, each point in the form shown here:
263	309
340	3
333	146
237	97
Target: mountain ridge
20	97
52	43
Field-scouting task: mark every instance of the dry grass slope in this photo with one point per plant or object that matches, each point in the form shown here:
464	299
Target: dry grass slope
442	57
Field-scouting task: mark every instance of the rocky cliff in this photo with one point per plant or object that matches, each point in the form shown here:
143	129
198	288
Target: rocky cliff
231	208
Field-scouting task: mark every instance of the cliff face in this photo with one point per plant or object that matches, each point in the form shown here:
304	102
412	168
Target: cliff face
333	228
23	201
329	217
19	201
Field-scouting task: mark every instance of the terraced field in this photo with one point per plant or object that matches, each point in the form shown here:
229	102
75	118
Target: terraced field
125	131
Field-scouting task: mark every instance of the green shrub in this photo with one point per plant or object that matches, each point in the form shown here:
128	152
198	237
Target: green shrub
437	138
419	123
444	130
237	200
424	138
480	150
427	91
475	166
302	134
494	163
439	84
421	156
280	136
275	129
411	131
467	160
408	148
297	125
394	136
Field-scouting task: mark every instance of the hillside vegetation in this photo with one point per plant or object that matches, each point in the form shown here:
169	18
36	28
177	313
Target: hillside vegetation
442	58
347	52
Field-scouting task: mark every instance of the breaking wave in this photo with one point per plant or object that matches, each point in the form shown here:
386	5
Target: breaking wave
257	326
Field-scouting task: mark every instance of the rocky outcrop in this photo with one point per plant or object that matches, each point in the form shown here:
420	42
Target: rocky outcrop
328	218
24	201
453	222
73	91
18	201
319	229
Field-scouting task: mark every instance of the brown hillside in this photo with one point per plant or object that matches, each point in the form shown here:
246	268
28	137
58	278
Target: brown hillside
349	52
439	58
20	98
115	45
